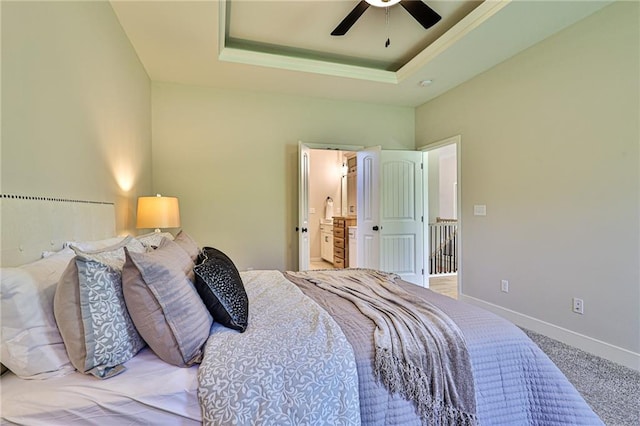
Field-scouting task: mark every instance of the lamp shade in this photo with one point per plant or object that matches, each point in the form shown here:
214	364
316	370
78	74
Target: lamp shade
158	212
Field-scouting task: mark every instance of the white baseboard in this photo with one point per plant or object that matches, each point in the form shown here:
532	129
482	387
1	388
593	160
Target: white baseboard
588	344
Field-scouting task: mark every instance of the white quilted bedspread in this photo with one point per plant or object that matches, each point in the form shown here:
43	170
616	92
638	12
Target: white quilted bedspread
292	366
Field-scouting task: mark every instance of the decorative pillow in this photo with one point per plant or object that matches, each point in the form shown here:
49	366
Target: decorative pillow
95	244
164	305
47	253
188	244
92	316
112	255
152	240
31	345
221	289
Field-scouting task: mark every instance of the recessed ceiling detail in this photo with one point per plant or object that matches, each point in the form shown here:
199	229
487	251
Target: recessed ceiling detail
299	37
201	43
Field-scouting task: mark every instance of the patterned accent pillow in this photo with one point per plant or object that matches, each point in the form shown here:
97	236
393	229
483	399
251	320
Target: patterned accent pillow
221	289
91	313
164	304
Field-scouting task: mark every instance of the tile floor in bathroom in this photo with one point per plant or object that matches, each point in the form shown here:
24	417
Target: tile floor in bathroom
320	264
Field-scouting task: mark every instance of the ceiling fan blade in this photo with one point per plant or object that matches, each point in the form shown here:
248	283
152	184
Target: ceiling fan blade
422	13
351	19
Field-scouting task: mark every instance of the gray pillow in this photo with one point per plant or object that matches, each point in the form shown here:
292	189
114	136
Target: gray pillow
164	305
91	313
188	244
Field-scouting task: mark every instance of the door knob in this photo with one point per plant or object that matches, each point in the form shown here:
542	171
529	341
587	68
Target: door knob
375	228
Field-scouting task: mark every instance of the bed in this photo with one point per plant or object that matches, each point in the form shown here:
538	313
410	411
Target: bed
303	355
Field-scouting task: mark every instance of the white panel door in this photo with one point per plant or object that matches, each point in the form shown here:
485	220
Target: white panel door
401	215
303	206
368	212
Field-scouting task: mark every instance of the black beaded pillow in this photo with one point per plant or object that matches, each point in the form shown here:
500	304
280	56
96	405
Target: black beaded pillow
219	285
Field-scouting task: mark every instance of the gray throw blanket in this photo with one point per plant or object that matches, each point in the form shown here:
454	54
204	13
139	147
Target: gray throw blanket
420	352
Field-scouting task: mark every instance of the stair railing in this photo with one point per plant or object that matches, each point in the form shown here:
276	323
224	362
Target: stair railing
443	258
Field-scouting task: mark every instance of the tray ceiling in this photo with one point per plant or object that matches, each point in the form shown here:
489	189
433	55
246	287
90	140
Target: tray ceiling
302	29
286	46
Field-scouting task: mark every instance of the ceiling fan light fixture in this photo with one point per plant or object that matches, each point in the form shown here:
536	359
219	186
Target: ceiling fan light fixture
422	13
382	3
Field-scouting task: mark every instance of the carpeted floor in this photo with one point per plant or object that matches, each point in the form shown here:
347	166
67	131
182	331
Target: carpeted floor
612	390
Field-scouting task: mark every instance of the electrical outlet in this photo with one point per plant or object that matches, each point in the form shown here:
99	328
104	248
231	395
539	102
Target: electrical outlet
504	286
578	306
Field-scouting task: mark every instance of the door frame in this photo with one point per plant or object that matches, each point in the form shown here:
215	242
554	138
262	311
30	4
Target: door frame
368	204
303	254
457	140
304	162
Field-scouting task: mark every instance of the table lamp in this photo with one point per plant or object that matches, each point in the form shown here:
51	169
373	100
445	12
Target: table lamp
158	212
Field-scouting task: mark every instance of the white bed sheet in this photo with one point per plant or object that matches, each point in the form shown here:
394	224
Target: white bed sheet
149	392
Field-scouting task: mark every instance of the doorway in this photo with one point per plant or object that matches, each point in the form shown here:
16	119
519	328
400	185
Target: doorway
391	212
443	224
331	192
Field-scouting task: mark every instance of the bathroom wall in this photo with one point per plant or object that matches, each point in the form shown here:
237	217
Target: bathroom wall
324	181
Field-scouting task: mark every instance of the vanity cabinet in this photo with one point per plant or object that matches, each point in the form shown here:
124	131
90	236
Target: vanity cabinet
326	243
341	240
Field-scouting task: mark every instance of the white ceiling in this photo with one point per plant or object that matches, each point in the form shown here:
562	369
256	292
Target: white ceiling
286	46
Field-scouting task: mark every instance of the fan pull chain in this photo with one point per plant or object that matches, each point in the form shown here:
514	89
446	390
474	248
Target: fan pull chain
388	42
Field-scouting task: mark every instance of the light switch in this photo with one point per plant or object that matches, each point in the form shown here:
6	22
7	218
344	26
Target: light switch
479	210
312	210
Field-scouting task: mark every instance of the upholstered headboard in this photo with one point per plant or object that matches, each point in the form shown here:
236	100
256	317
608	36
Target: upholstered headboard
31	225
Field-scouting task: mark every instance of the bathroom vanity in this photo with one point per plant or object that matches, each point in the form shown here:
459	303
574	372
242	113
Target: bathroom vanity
326	240
341	240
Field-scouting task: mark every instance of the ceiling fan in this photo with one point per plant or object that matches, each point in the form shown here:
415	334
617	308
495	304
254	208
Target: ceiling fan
422	13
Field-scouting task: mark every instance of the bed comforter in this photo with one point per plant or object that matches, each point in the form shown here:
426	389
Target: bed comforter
418	352
292	366
255	377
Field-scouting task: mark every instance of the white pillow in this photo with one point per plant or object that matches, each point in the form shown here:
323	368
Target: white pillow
112	255
30	343
94	245
152	240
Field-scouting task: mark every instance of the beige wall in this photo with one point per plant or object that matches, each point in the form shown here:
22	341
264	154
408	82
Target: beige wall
550	144
231	157
76	106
